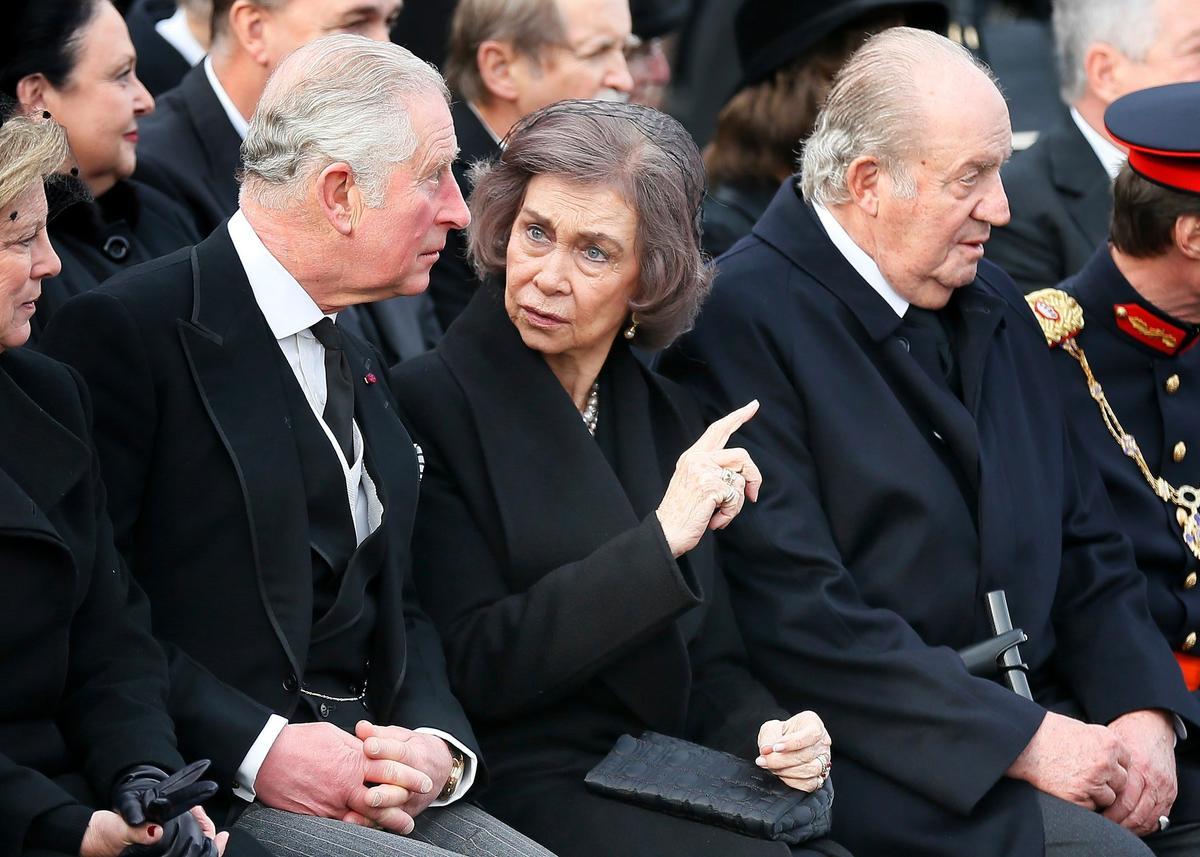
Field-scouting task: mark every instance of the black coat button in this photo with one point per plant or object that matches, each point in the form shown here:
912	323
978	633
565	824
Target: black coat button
290	684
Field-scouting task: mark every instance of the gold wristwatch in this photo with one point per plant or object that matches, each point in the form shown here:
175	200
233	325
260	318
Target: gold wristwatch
458	766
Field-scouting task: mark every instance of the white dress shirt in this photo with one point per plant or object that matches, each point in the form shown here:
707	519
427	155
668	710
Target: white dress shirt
236	119
1107	153
290	312
176	33
863	264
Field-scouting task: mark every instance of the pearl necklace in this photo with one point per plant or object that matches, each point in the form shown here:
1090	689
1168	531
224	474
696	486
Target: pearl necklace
591	413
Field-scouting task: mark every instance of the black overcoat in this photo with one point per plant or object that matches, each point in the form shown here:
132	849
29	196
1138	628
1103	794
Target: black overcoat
1061	200
889	509
566	620
85	684
208	502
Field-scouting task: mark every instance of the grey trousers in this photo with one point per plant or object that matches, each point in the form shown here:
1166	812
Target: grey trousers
1072	831
458	830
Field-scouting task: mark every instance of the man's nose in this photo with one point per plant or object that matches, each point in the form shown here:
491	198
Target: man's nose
993	208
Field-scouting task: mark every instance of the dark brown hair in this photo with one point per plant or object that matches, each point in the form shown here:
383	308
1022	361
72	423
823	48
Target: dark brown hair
645	156
759	129
1144	215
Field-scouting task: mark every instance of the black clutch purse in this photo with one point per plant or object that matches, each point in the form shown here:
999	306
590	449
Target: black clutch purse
681	778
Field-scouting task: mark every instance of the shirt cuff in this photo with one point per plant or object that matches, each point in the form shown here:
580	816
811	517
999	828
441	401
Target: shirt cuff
468	777
247	772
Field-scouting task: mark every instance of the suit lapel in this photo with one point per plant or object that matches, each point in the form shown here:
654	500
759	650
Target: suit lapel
1085	186
222	146
234	361
550	477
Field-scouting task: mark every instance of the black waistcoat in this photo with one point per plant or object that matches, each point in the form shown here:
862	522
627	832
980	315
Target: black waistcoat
344	601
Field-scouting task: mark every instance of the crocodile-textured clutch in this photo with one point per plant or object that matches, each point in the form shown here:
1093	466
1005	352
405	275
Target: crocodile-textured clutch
681	778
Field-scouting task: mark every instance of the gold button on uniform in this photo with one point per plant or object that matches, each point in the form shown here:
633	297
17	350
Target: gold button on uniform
1171	385
1189	582
1180	451
1189	642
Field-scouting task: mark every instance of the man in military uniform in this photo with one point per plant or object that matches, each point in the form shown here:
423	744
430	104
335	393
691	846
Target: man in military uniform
1124	328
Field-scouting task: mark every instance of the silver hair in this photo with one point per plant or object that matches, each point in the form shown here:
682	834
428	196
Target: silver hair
871	110
341	98
1130	26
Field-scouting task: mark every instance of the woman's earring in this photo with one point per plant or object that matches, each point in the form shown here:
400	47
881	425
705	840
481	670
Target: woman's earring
631	331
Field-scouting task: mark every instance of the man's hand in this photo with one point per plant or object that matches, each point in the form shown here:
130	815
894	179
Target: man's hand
799	751
1081	763
1152	786
410	767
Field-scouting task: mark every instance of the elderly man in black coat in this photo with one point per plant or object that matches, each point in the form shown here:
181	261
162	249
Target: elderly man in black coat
261	480
914	458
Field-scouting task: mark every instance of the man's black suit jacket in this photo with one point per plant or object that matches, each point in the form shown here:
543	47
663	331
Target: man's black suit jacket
208	500
85	685
452	281
1060	199
189	150
160	66
889	508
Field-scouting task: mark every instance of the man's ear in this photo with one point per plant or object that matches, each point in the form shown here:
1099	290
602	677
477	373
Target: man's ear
1104	66
32	90
862	181
247	23
497	64
1187	236
339	197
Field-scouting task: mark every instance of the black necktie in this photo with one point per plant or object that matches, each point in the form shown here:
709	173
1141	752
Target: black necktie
929	345
339	395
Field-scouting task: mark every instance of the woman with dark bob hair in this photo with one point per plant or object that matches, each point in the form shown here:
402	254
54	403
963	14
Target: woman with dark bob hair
83	723
560	537
74	59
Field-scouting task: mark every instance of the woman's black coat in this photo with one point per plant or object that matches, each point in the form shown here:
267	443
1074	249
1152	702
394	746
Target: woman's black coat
565	618
130	224
84	683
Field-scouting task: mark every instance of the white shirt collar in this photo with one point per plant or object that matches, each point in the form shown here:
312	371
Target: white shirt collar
1110	157
177	34
860	261
236	119
486	127
287	307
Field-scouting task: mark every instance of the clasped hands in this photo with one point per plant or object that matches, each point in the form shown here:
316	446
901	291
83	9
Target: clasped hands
1126	769
798	750
381	776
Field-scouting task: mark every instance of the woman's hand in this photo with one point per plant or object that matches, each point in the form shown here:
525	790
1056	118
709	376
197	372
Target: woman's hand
108	835
710	484
799	751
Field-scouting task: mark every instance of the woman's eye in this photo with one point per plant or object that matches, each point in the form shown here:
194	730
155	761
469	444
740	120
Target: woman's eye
535	232
595	254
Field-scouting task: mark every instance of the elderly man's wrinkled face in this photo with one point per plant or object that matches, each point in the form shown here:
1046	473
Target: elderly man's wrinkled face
930	243
592	62
572	267
298	22
26	257
398	242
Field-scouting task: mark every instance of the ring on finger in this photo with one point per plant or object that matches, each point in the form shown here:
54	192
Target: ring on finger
1163	823
731	496
728	476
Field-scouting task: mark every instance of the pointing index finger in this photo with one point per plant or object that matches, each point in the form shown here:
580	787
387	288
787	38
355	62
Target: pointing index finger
718	434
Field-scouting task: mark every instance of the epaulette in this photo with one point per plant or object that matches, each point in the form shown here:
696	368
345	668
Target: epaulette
1059	314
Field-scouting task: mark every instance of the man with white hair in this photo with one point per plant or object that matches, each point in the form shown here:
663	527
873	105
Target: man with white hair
262	486
917	459
1060	189
508	58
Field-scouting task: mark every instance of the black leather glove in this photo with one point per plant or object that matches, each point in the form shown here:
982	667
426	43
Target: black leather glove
182	837
146	793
